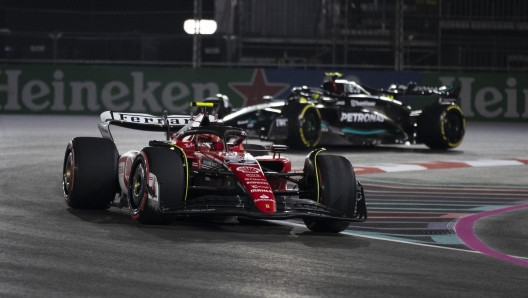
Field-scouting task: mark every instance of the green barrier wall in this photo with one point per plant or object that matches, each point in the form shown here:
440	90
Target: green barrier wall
497	97
91	90
68	89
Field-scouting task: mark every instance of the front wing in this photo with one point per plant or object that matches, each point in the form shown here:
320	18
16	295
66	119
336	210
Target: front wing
287	208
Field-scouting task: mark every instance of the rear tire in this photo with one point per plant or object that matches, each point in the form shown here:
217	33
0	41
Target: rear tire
143	199
441	126
304	126
89	173
337	182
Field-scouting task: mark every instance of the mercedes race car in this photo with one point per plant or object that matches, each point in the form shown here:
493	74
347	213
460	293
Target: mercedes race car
346	113
205	168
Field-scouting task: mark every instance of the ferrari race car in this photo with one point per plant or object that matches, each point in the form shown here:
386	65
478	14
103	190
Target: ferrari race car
205	168
346	113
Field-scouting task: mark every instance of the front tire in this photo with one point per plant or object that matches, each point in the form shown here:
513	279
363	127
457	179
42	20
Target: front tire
337	190
441	126
156	173
89	173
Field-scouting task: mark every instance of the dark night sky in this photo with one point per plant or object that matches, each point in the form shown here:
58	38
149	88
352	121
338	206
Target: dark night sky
107	5
99	16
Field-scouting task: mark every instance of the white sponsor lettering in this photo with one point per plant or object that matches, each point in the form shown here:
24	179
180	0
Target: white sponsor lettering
147	119
58	92
51	89
257	182
349	88
511	95
203	90
340	103
111	93
485	99
253	175
11	88
78	89
361	117
363	103
260	190
248	169
50	93
209	163
264	200
32	91
173	93
260	186
242	122
488	101
281	122
255	179
144	97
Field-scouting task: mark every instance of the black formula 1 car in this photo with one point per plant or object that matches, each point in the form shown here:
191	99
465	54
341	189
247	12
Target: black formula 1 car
205	168
344	112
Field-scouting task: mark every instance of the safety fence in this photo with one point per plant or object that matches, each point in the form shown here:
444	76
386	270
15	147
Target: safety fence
432	35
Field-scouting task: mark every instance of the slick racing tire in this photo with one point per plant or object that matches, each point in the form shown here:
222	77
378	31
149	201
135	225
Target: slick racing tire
156	173
337	190
304	126
89	173
441	126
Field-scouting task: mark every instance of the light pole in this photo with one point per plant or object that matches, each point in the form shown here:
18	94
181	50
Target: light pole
197	27
197	38
398	36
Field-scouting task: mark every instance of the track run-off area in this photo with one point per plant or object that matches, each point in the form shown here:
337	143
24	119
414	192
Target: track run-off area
440	223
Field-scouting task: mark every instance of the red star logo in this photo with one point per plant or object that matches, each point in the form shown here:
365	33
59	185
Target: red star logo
252	92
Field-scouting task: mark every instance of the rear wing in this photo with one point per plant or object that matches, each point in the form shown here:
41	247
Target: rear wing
395	91
446	93
146	122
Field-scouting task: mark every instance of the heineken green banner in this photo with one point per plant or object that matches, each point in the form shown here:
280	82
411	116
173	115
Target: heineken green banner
69	89
498	97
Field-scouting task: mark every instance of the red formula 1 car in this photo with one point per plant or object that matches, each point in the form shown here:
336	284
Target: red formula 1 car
207	169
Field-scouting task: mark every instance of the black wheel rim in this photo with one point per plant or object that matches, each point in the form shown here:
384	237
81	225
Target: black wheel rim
137	187
310	127
453	127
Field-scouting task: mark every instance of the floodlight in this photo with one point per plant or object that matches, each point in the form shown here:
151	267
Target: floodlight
199	26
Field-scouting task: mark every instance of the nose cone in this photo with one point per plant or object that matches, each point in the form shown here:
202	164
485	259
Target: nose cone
257	185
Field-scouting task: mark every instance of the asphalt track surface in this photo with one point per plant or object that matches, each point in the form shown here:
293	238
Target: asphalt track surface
411	246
